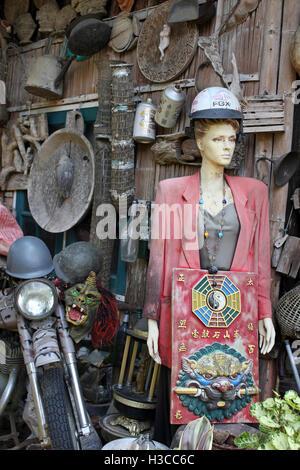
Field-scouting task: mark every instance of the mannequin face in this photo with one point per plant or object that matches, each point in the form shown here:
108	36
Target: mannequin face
217	145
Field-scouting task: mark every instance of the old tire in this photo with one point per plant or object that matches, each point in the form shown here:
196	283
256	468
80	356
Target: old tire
60	420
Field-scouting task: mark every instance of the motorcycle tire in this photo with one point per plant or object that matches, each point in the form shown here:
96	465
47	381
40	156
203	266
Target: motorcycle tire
60	421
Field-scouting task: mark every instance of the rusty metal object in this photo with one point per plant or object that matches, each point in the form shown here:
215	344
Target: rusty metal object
46	78
178	55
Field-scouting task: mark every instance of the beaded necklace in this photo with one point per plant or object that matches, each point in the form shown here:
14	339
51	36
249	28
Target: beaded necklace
213	269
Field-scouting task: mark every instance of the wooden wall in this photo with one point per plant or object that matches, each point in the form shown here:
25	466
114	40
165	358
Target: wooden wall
261	46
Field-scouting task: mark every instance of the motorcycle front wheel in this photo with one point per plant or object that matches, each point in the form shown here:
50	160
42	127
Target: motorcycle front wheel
60	419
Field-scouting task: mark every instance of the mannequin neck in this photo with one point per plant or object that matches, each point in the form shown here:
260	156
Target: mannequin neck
212	176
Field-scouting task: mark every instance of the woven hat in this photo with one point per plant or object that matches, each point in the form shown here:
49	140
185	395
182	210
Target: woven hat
121	33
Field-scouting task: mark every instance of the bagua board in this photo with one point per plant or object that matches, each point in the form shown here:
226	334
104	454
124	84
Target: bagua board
214	346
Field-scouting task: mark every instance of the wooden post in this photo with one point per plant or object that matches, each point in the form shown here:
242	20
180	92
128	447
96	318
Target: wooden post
268	77
281	144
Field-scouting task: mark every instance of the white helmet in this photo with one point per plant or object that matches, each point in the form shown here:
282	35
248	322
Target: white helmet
216	103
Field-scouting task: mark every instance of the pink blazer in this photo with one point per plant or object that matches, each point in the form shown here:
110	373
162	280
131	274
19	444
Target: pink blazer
181	248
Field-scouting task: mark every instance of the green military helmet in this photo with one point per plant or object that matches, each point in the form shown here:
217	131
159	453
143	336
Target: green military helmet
76	261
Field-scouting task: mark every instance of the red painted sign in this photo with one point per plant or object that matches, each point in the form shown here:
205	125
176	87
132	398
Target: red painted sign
214	346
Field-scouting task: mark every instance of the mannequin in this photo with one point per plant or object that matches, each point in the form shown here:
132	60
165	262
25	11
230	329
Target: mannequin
216	146
217	120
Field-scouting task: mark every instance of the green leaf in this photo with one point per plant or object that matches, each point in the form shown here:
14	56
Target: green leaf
270	403
293	399
291	418
290	431
269	423
293	444
257	410
249	441
267	446
280	441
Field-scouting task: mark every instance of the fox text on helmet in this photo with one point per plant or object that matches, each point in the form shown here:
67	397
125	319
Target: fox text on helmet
215	98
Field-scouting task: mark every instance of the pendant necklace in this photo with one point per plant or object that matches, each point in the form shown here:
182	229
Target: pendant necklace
208	239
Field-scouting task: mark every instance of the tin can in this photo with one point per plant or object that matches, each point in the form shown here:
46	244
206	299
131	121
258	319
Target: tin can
170	106
144	125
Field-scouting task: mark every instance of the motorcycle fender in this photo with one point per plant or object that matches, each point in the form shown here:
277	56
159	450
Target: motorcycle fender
45	347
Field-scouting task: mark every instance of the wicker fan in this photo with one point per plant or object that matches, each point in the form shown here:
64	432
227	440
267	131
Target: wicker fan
288	313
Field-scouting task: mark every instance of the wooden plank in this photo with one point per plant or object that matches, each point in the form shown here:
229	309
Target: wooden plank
289	262
264	142
263	115
263	130
283	142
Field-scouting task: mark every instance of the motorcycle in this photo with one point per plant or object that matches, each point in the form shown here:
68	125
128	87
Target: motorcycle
31	312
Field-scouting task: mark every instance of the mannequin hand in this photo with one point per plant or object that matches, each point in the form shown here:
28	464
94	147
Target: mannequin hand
266	333
152	340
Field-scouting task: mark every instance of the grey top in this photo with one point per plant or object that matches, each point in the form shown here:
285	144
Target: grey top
227	244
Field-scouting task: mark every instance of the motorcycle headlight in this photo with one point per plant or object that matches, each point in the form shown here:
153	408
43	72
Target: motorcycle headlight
36	299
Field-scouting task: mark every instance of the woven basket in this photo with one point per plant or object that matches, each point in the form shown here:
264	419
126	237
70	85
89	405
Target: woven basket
103	121
122	120
288	313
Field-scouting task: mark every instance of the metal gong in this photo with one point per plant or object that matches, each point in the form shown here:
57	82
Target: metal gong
61	181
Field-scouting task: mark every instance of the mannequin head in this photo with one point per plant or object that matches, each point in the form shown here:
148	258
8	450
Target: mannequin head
216	140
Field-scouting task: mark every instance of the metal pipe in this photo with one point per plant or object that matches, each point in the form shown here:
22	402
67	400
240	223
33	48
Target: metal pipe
6	395
28	356
38	404
77	393
293	365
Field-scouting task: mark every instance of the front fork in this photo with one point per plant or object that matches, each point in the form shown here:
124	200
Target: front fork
31	345
71	361
27	347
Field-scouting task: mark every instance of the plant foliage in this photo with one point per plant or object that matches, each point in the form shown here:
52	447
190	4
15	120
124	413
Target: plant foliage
279	424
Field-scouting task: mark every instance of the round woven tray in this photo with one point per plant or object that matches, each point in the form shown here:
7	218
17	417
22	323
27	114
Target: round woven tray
179	53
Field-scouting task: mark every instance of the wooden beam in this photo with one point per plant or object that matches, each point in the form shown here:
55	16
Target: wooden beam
264	142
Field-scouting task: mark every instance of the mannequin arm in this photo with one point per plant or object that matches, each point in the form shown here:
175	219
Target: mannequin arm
266	333
152	341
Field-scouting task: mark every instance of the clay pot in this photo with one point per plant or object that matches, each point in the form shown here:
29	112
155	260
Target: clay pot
24	27
46	16
64	17
85	7
15	8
